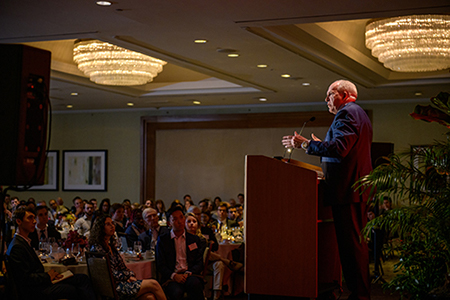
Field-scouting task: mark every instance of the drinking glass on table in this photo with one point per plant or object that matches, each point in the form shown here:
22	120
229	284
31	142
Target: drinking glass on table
76	251
137	247
43	248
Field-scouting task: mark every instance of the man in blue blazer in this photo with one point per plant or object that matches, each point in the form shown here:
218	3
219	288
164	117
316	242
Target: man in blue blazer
345	157
27	271
179	259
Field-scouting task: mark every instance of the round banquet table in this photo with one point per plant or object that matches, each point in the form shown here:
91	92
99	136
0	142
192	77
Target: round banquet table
144	269
234	287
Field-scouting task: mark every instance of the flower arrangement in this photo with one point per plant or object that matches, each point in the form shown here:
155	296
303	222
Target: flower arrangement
74	238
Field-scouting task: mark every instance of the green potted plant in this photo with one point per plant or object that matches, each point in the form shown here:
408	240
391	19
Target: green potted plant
419	180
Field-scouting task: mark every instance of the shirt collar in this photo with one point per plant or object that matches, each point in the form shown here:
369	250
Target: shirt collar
173	236
28	240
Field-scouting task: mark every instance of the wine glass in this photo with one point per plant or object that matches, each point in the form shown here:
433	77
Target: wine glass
137	247
76	250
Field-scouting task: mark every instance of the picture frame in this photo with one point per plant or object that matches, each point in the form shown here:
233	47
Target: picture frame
85	170
51	170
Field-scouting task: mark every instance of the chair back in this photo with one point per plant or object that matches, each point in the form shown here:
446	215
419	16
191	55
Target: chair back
99	268
206	256
11	288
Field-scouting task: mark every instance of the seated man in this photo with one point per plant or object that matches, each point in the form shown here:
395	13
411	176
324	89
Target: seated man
179	257
222	217
28	273
43	231
150	236
83	224
136	228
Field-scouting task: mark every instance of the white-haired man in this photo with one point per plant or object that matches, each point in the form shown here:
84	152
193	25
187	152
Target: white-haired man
150	236
345	157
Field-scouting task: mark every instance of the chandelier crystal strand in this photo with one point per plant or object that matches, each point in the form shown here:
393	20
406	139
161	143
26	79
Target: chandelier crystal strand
417	43
108	64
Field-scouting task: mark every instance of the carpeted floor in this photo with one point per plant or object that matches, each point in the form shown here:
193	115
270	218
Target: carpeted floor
377	291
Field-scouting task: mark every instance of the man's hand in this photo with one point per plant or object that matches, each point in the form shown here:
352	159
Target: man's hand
315	138
54	275
293	141
180	278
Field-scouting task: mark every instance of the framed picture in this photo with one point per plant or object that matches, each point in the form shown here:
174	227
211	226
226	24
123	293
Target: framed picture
84	170
51	176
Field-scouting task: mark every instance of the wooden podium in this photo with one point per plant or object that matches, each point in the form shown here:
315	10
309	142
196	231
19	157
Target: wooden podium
291	247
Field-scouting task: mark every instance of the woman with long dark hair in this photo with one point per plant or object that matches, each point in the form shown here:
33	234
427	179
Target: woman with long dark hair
127	286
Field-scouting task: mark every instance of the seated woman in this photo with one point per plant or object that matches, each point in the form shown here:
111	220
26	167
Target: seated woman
216	261
127	286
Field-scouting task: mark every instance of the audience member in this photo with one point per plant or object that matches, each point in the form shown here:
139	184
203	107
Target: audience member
127	214
222	219
53	209
117	215
217	266
14	203
77	208
187	204
241	199
150	236
43	231
61	208
232	202
127	286
186	198
94	203
207	221
150	203
387	204
161	208
176	203
136	228
240	212
28	273
31	205
203	205
105	206
179	258
83	224
126	201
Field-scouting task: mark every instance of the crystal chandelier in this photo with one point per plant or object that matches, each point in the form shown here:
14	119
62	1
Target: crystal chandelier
108	64
417	43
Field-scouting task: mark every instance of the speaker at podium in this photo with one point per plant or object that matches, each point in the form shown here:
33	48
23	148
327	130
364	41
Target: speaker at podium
24	104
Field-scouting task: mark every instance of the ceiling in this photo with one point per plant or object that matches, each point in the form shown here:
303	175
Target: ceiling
316	42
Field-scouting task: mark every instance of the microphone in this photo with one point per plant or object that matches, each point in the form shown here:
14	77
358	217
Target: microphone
312	119
301	131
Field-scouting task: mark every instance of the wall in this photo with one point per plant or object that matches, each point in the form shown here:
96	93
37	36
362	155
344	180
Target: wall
203	163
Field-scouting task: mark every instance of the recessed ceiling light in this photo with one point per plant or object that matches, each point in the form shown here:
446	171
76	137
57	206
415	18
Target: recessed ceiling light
103	3
74	94
262	99
69	106
306	84
130	104
418	94
261	66
233	55
196	102
285	75
200	41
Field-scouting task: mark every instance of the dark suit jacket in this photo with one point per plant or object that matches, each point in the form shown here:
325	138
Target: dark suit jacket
166	255
52	232
26	269
345	154
146	237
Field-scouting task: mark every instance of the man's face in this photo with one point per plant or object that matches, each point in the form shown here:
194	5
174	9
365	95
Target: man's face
77	203
370	215
105	207
89	209
241	199
387	205
204	219
118	215
53	204
14	202
222	212
60	201
240	211
187	199
42	217
232	213
28	223
334	99
138	220
203	206
94	202
152	220
177	221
